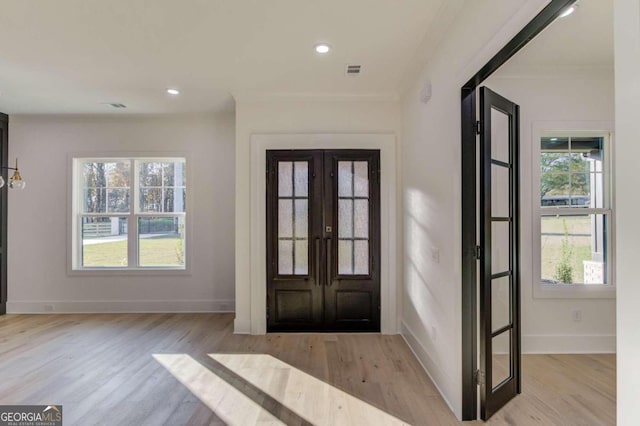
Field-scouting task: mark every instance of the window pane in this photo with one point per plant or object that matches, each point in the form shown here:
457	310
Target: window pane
161	241
104	242
94	200
150	174
174	200
118	200
162	186
554	162
573	249
572	172
554	189
105	187
151	200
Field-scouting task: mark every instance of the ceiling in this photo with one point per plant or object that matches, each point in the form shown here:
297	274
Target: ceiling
579	43
76	56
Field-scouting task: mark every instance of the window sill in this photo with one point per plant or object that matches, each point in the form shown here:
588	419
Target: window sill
138	272
574	291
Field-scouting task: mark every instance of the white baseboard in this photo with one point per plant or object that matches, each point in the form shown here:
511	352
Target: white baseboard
568	344
436	375
107	306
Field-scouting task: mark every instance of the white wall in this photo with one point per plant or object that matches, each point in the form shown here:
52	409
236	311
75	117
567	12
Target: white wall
551	103
431	185
38	234
627	65
291	115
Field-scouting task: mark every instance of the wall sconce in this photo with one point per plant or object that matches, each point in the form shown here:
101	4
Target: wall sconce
15	182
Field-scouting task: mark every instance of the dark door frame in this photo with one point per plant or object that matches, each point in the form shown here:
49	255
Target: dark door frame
469	193
4	150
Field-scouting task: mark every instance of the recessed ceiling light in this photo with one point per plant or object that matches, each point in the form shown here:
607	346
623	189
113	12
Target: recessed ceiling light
568	11
322	48
173	91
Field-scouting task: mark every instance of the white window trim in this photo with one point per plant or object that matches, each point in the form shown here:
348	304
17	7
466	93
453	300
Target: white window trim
73	161
543	290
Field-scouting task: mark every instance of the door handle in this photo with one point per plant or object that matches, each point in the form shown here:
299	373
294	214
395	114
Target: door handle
317	265
328	260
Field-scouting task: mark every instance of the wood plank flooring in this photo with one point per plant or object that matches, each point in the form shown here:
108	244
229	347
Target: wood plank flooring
174	369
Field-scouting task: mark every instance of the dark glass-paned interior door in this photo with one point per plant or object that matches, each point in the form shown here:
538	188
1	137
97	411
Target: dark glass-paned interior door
4	147
323	240
499	248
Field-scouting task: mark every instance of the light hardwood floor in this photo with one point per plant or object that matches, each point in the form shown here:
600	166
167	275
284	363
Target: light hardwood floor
174	369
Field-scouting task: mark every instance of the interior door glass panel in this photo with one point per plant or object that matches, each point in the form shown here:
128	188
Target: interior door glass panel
499	136
501	358
499	191
500	303
500	247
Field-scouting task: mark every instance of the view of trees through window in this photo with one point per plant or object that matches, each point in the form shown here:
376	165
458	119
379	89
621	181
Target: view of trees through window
573	217
124	213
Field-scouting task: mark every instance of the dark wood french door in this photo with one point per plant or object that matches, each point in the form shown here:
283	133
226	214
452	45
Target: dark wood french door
499	252
323	240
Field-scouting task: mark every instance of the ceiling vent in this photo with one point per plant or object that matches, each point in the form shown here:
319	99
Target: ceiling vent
118	105
353	70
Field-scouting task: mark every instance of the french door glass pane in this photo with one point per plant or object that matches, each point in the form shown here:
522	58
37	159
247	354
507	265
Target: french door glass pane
161	241
499	191
293	218
500	247
104	242
345	259
353	217
500	303
501	358
499	136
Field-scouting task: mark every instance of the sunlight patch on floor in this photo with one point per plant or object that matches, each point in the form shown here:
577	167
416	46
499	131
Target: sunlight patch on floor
228	403
308	397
